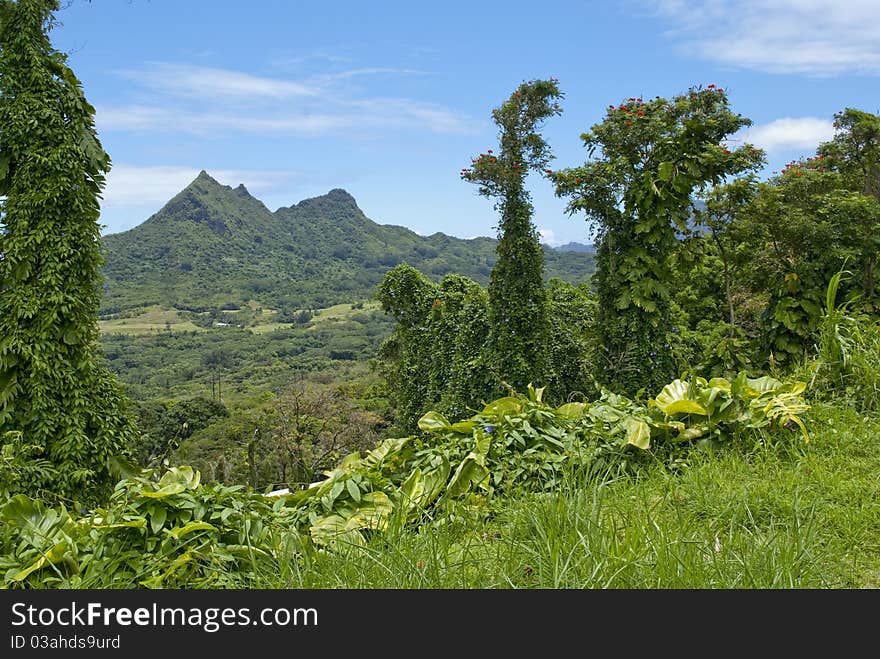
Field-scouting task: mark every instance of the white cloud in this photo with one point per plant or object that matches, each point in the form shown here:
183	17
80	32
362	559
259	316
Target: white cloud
814	37
365	71
547	237
130	186
201	82
357	115
788	133
206	101
170	119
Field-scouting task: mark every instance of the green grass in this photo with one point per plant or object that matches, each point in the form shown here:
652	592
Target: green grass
765	512
772	514
148	320
156	318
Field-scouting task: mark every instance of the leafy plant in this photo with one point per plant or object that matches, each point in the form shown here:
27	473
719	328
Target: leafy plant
650	157
53	390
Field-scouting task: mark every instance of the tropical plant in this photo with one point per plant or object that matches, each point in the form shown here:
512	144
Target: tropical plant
651	156
53	390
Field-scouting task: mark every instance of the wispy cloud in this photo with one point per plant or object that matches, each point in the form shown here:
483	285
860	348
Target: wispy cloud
366	71
188	81
813	37
358	115
789	133
181	120
201	100
130	186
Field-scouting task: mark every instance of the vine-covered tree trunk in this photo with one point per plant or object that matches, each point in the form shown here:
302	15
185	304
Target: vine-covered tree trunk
517	299
56	402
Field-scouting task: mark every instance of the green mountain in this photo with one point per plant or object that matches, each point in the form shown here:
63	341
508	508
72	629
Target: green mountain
214	246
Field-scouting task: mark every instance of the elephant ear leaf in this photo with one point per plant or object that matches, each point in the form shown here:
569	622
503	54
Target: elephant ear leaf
675	398
433	422
638	432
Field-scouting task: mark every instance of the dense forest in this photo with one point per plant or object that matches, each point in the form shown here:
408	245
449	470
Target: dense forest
226	397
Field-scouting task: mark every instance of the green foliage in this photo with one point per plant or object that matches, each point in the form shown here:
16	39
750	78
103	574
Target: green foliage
650	157
519	443
164	425
53	390
798	246
435	357
440	355
284	440
846	364
168	532
517	301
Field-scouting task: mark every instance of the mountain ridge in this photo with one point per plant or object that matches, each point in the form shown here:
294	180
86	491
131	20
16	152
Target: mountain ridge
212	244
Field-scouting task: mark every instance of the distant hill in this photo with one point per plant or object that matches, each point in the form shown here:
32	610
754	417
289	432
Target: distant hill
576	247
213	246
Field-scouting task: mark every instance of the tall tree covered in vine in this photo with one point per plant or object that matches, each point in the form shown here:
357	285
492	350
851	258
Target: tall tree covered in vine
517	299
58	404
649	157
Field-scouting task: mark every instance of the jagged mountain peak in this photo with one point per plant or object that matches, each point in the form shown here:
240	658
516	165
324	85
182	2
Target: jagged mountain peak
212	244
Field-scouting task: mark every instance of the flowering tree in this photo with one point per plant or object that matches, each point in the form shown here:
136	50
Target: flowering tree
517	300
650	157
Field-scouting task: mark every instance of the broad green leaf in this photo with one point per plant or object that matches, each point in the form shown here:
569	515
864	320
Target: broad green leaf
158	513
503	407
571	410
178	533
675	398
331	529
385	450
469	472
463	427
763	385
353	490
163	492
433	421
638	433
138	523
54	555
665	171
246	551
535	395
720	383
372	514
413	489
694	432
434	481
685	407
605	412
22	511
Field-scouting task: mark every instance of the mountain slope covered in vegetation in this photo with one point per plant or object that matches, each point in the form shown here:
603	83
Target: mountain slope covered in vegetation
214	245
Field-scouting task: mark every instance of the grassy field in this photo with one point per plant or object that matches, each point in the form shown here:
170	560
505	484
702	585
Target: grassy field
149	320
774	514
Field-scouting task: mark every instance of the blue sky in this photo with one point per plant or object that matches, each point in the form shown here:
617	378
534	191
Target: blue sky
389	100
